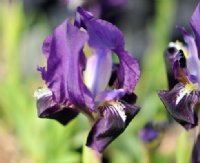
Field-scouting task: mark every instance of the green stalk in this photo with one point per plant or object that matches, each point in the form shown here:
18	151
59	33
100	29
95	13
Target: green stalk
90	155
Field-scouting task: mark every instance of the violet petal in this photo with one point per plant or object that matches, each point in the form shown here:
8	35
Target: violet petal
169	55
98	70
63	74
180	103
104	35
195	24
109	95
48	109
112	122
193	63
129	71
148	133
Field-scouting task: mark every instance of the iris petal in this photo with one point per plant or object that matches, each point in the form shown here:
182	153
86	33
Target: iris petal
193	63
129	71
148	133
169	55
180	103
48	109
195	24
63	50
98	71
109	95
113	121
104	35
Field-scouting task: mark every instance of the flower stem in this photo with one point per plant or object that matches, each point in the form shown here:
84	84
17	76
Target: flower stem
90	155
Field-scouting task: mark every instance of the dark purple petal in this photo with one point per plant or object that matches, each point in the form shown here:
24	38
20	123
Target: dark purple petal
180	69
63	50
102	34
170	54
196	151
48	109
148	133
113	77
113	121
129	71
181	103
129	98
195	24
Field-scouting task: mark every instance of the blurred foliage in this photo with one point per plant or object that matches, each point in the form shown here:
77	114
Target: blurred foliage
46	141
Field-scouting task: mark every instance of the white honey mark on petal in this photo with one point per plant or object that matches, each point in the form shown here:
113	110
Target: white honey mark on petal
183	92
119	107
42	92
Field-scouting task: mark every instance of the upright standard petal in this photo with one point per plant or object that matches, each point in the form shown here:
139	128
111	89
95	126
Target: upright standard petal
129	71
193	62
169	56
98	70
47	108
63	50
180	103
104	35
113	121
195	24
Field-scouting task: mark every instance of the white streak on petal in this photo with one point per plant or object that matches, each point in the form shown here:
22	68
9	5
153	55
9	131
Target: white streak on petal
183	92
175	45
42	92
98	71
119	107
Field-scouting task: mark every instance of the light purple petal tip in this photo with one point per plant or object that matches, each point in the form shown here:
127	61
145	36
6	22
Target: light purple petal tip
98	70
195	24
109	95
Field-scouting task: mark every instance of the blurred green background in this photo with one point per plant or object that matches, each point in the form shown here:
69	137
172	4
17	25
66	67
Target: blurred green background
148	26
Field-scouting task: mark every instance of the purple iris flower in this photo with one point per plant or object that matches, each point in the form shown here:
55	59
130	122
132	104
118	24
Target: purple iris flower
152	131
148	133
89	83
183	61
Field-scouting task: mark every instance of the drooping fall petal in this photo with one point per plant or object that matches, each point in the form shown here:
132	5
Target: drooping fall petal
180	103
113	121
